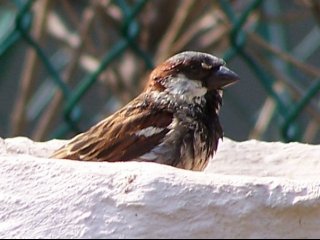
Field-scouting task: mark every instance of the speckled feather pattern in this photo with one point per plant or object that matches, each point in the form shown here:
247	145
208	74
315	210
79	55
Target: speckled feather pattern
174	121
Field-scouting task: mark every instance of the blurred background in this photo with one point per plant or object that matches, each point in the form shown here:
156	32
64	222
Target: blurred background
67	64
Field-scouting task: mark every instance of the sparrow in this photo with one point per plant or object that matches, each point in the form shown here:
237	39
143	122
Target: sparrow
174	121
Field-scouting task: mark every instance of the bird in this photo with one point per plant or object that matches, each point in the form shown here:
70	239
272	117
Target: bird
173	121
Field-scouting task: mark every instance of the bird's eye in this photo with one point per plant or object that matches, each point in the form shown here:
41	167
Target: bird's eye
194	69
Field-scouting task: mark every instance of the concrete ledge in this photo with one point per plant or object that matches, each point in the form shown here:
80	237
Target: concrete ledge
250	190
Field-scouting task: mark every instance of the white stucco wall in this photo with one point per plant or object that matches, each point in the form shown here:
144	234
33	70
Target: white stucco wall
250	189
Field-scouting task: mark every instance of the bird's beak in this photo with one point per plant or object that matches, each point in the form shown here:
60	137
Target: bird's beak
222	78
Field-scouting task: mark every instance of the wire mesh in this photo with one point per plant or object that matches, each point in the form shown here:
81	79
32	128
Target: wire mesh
67	64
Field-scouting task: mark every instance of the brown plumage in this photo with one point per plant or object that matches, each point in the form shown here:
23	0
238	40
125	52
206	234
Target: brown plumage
174	121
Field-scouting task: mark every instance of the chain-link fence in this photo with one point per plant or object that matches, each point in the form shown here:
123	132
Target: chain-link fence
67	64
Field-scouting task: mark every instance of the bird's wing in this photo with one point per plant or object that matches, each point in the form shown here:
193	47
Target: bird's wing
125	135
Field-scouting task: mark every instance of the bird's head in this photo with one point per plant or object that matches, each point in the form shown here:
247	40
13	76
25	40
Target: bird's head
191	74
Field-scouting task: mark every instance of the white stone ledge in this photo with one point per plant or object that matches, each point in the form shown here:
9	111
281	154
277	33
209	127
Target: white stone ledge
251	189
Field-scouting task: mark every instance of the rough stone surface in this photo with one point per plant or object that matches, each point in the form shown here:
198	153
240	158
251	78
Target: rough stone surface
251	189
